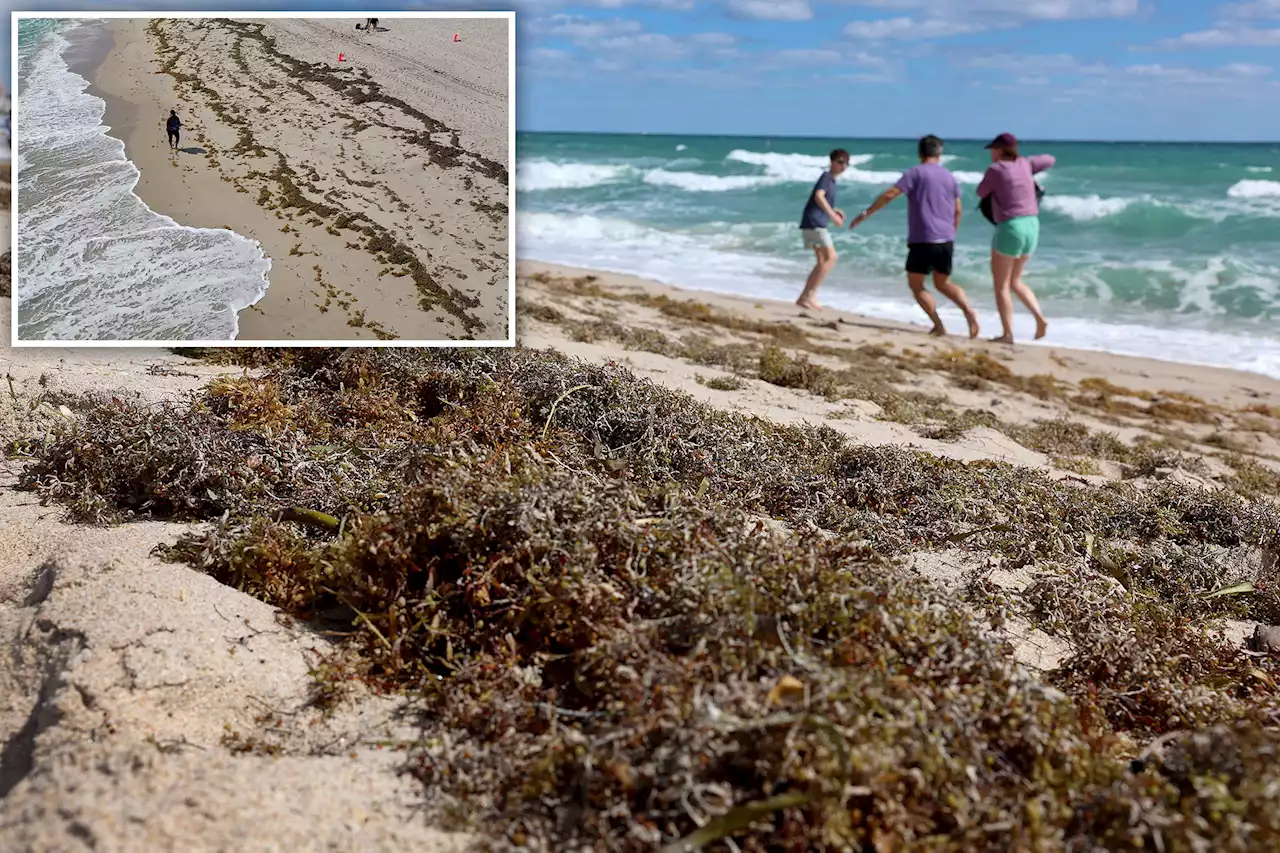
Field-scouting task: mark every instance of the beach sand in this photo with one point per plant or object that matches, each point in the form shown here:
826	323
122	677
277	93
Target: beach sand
131	672
382	200
683	339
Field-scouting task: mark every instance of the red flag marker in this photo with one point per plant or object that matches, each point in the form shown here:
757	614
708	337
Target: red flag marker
340	57
455	37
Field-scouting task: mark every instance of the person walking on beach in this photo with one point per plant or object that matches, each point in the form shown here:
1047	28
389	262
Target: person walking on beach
1011	184
933	215
820	211
173	126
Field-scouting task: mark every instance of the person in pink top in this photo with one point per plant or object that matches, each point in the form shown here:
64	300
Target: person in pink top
1010	183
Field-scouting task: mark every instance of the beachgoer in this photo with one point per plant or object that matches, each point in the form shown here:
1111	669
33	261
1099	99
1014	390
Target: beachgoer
933	215
819	211
1010	183
173	126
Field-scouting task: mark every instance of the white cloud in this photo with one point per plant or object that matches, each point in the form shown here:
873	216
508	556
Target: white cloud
1224	37
908	29
1228	74
714	38
1039	64
1257	10
578	27
1037	10
770	10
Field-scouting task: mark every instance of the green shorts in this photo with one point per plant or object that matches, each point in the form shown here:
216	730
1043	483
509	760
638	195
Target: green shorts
1017	237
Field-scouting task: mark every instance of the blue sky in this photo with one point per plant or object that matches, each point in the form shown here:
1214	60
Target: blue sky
1047	69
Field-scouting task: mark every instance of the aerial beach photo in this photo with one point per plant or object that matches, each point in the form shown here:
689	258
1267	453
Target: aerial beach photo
888	459
326	180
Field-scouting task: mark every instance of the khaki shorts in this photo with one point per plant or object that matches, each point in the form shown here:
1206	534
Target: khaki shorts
815	238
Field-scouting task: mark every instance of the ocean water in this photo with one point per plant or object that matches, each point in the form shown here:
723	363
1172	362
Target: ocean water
1164	250
93	261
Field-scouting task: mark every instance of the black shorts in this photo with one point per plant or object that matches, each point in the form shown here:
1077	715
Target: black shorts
173	136
924	258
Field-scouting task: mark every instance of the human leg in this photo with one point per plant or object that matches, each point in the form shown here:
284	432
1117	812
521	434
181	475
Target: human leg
920	261
825	256
942	281
926	302
1027	297
1001	272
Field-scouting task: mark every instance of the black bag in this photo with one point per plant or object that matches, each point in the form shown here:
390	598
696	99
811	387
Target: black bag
984	205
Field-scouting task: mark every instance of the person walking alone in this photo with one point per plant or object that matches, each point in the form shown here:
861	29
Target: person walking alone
1011	184
173	127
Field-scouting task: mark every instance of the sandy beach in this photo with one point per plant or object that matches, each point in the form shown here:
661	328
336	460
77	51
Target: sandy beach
661	331
134	674
377	187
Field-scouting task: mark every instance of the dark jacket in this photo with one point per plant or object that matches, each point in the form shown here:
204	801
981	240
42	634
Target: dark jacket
173	124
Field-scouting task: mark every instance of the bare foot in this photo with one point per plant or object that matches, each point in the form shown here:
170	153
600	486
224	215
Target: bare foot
1042	328
938	331
1003	339
973	325
809	303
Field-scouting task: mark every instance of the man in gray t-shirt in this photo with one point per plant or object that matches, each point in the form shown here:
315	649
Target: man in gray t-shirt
819	211
933	215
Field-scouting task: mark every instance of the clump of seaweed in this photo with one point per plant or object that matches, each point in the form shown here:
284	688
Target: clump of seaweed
634	619
6	273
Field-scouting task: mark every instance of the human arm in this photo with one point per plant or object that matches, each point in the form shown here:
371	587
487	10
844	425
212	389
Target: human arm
987	185
820	198
884	199
959	211
1041	162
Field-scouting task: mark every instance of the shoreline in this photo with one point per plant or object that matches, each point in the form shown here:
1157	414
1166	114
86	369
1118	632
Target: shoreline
1075	413
527	266
326	281
951	315
120	118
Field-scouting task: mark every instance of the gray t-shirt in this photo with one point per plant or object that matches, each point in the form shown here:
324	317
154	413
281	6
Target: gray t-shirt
931	192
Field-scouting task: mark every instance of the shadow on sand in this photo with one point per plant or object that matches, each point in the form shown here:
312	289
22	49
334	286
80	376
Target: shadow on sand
194	149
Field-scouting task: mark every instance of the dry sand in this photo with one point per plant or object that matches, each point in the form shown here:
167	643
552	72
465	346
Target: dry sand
415	138
131	676
126	680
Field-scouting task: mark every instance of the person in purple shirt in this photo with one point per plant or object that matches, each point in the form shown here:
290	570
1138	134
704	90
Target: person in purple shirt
1011	184
933	215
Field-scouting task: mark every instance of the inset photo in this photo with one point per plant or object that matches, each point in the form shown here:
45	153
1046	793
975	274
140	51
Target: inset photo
263	179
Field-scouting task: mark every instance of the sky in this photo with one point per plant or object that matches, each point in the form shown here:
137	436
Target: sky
1043	69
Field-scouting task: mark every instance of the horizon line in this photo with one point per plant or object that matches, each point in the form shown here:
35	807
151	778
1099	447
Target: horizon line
682	134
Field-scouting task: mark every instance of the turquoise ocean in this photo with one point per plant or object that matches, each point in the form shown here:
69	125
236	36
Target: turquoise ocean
1165	250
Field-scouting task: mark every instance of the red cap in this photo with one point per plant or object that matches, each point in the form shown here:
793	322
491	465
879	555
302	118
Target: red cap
1004	140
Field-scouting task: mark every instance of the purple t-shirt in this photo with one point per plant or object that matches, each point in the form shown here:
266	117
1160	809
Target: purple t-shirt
931	193
1011	186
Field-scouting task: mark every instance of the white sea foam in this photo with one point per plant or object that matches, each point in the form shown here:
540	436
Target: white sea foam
94	262
1255	189
753	260
682	147
1257	169
537	175
1085	208
699	182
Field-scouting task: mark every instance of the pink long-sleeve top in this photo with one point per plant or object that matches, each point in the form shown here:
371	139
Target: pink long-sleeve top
1012	187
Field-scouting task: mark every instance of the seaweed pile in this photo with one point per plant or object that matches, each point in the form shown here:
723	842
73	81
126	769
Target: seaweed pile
636	622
